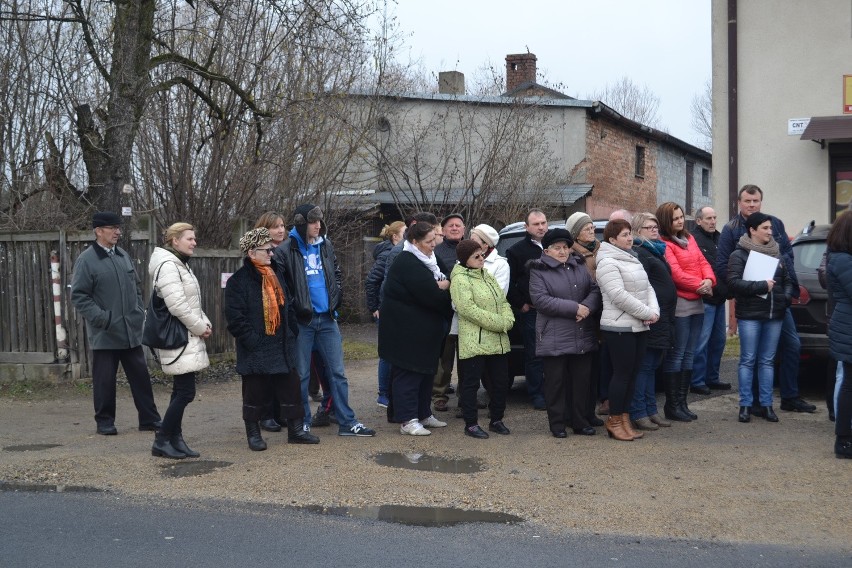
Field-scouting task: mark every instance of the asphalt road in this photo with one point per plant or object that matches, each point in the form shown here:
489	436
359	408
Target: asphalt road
93	530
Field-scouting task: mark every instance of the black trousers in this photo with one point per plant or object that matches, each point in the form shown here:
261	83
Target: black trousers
626	352
566	390
183	392
104	366
411	393
259	390
472	370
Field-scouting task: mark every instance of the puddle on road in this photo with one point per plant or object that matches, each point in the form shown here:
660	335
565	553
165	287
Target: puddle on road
30	447
46	488
423	462
192	468
417	516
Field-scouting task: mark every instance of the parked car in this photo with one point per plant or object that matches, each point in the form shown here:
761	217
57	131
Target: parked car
810	309
509	235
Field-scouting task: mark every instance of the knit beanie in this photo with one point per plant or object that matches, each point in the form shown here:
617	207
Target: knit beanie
576	222
466	249
487	233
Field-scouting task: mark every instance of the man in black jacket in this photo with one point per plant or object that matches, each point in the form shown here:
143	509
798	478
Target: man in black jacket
711	342
452	227
314	278
528	248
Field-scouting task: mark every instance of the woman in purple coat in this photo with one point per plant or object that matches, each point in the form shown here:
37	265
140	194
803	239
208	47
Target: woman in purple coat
565	296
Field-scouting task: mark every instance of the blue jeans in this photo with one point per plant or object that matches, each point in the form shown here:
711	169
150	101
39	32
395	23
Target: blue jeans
323	335
384	377
710	346
791	346
758	343
533	366
687	330
644	401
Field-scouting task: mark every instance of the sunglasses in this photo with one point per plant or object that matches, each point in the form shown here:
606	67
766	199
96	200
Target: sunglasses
266	250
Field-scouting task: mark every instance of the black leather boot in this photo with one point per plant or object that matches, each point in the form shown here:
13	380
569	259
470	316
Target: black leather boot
672	409
683	392
769	414
180	445
255	441
745	414
270	425
296	433
163	448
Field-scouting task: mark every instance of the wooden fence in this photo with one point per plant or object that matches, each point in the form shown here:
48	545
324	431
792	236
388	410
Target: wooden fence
27	321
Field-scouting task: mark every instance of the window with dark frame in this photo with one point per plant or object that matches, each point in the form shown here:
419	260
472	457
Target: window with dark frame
640	161
705	182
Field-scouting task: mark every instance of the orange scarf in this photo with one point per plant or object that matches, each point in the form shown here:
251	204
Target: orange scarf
273	297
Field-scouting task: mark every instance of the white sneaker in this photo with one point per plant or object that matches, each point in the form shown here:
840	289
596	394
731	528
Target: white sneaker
433	422
414	428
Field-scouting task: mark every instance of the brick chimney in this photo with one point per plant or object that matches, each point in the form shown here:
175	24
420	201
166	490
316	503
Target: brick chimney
451	83
520	68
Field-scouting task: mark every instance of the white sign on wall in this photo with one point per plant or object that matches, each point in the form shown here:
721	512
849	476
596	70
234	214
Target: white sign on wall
796	126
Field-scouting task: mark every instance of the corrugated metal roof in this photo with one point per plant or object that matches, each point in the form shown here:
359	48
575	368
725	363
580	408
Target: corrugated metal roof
829	128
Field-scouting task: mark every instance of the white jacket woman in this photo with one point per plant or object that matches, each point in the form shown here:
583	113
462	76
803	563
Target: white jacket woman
175	283
629	299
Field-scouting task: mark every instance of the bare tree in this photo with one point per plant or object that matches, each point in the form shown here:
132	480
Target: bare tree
632	101
702	115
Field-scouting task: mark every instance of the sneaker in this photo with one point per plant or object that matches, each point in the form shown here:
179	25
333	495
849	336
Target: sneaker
433	422
320	418
414	428
796	405
357	429
383	401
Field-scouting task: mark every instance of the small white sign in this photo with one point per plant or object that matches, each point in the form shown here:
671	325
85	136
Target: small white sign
224	278
796	126
126	211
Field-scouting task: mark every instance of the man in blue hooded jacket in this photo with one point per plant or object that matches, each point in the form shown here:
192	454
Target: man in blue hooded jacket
314	278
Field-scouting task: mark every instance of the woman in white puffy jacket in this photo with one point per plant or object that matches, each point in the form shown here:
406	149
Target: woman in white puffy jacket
175	283
629	307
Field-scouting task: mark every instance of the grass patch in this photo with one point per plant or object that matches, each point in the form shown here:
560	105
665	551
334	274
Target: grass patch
32	390
732	348
359	350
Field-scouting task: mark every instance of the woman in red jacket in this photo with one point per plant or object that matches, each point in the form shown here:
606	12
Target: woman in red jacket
694	279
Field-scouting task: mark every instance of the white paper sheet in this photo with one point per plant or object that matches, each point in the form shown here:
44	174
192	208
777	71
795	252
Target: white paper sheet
760	266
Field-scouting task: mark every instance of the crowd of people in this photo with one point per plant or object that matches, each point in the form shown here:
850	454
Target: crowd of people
598	319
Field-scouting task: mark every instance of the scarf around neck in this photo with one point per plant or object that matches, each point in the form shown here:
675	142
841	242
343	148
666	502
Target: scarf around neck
182	257
656	246
273	297
771	249
680	241
430	261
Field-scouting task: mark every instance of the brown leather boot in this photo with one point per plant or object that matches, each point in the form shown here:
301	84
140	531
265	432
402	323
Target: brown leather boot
628	427
615	428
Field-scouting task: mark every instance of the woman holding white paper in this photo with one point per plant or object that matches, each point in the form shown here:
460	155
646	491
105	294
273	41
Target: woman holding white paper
760	308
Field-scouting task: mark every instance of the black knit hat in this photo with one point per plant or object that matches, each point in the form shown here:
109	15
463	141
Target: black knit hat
105	219
465	249
556	235
755	220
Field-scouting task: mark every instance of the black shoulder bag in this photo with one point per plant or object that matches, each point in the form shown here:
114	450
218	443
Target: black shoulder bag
162	329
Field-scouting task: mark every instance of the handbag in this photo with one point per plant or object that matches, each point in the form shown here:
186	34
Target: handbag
162	329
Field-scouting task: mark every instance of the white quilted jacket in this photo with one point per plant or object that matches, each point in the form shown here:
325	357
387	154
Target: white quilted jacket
178	287
628	298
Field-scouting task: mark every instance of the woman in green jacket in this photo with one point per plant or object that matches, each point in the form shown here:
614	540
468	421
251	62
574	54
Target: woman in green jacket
485	317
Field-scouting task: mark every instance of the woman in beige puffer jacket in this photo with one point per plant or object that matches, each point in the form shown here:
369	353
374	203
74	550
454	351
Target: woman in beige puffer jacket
174	282
629	307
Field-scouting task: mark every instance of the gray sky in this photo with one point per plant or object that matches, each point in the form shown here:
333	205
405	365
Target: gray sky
582	45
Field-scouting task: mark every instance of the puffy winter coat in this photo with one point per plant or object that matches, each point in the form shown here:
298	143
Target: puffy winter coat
628	298
499	269
659	273
749	305
689	267
174	282
557	290
839	274
484	315
258	353
415	315
376	276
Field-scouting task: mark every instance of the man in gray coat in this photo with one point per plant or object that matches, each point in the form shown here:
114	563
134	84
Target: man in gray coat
106	291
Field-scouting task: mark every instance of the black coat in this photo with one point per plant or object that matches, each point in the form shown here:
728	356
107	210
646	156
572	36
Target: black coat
519	279
292	260
708	243
415	316
662	334
258	353
839	273
750	306
376	276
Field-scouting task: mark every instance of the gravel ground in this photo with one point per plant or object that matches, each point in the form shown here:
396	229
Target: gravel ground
712	479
